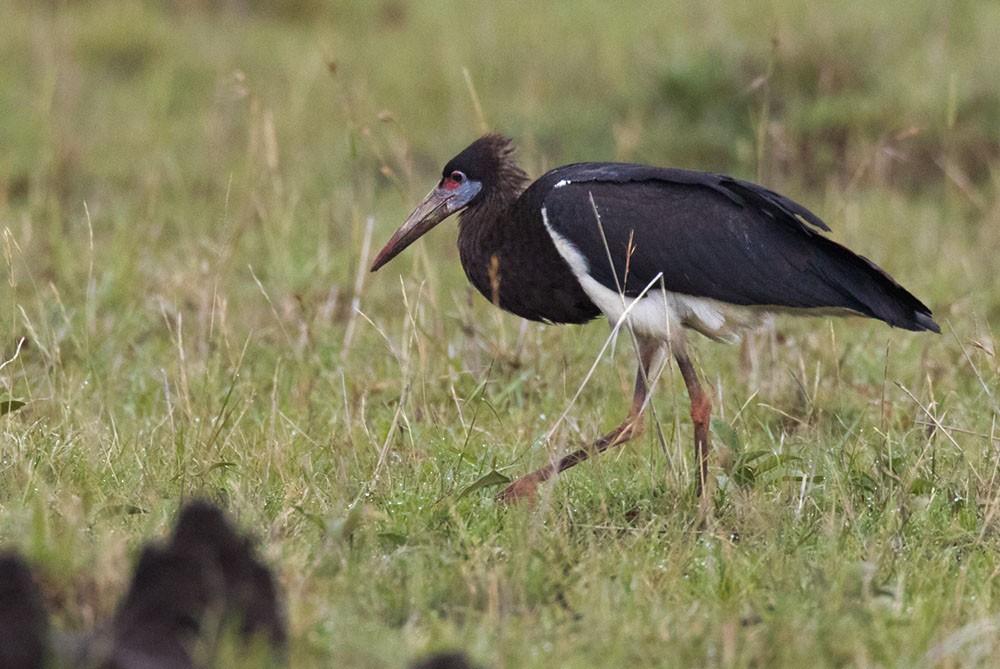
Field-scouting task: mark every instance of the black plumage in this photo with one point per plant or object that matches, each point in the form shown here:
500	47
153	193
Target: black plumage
712	236
695	250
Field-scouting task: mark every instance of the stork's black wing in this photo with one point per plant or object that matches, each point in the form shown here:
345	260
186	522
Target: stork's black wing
713	236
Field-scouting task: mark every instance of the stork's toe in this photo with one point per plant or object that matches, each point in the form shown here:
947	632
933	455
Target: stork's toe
523	490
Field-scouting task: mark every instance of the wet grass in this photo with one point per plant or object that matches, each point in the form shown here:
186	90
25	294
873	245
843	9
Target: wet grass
186	191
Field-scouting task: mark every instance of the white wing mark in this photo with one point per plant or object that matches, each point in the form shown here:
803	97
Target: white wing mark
661	313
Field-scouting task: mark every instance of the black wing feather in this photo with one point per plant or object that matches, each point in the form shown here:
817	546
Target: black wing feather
713	236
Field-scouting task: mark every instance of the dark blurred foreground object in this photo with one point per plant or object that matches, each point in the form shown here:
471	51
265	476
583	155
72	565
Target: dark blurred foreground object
23	622
660	250
185	595
187	591
449	660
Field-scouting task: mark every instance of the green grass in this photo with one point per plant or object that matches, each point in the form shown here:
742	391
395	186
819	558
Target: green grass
185	190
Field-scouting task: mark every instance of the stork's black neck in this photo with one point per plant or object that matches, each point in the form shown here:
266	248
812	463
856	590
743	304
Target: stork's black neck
509	256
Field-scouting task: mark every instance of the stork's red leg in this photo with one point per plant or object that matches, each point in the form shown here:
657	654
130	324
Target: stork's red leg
701	412
526	487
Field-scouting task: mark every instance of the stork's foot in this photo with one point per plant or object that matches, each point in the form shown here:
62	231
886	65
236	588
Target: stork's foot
525	489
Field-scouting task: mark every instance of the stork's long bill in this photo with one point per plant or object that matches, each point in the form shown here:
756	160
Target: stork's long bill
453	193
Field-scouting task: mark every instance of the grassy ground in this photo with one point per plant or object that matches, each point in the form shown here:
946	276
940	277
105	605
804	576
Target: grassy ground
188	191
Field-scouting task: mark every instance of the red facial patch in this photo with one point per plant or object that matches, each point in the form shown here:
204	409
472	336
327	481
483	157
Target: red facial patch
449	183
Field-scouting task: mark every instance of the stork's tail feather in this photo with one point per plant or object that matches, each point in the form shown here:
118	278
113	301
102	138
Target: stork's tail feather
922	321
894	304
876	294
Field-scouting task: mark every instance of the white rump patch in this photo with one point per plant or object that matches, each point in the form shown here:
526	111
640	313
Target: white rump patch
563	182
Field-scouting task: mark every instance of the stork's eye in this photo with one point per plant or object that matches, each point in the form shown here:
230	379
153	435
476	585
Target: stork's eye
457	176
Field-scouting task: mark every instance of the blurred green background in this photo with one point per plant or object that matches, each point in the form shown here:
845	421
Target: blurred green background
189	195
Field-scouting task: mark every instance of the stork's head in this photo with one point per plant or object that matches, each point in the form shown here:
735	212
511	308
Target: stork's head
465	180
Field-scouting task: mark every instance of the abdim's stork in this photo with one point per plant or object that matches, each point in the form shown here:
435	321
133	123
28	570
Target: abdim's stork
666	249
